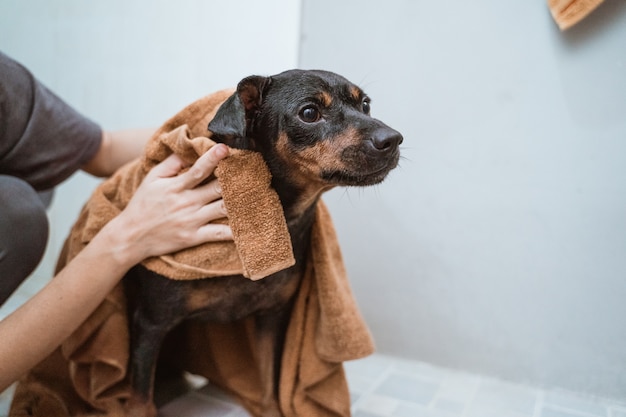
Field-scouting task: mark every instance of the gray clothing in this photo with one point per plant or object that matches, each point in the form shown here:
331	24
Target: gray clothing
42	142
42	139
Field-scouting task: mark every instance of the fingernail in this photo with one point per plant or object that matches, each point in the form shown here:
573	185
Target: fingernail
221	151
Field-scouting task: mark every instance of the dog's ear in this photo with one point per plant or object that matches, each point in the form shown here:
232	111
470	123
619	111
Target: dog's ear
234	119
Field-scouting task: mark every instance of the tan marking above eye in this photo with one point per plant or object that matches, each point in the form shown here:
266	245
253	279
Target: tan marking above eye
325	98
356	93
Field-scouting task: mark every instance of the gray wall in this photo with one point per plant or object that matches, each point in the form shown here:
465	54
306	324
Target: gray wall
499	245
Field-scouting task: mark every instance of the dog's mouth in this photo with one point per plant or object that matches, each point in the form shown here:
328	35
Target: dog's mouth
360	177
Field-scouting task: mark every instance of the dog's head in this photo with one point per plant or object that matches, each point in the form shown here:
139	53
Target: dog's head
312	127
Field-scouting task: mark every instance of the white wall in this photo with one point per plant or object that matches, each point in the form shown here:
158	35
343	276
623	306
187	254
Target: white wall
135	63
499	245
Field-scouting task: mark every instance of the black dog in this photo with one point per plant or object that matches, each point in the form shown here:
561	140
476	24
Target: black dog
315	132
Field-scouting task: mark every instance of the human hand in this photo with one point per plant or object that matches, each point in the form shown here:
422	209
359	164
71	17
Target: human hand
171	212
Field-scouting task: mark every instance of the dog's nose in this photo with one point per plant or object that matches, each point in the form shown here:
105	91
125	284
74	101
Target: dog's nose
386	139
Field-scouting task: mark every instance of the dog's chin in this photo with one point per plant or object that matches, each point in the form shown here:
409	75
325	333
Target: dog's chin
356	178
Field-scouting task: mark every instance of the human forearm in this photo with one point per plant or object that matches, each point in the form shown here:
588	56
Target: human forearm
167	213
55	312
116	149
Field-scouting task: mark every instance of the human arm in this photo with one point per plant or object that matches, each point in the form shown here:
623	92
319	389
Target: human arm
166	214
117	148
43	140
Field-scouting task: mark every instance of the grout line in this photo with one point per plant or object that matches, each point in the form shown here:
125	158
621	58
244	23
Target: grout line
575	411
471	399
433	401
438	394
539	403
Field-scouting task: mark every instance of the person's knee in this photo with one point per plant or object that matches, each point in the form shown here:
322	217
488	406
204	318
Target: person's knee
23	233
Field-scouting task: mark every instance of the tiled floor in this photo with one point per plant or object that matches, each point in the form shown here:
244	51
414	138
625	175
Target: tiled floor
383	386
391	387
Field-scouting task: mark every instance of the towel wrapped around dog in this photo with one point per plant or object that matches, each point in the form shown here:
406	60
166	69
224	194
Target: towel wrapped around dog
257	219
87	374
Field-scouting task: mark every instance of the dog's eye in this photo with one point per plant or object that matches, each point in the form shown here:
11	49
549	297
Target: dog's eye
366	106
310	114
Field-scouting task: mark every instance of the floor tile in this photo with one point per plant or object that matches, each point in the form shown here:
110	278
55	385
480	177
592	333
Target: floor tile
424	370
379	405
502	398
193	405
553	412
361	413
360	383
575	403
383	386
215	393
370	368
408	388
411	410
354	397
450	406
459	387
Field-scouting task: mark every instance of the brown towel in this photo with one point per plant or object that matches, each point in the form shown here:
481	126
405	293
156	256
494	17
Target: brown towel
567	13
87	374
256	216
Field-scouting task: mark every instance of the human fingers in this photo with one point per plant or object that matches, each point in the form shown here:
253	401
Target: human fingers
212	211
204	166
207	193
169	167
214	232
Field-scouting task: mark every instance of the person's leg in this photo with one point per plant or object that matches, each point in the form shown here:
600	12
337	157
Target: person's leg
23	233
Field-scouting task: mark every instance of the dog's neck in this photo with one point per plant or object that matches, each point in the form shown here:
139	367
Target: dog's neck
299	206
298	194
298	203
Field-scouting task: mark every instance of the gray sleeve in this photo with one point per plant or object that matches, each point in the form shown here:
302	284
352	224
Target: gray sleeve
42	139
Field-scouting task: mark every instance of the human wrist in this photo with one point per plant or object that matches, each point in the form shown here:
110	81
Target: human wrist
120	239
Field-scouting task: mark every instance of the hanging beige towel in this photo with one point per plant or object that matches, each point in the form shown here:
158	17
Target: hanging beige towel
567	13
